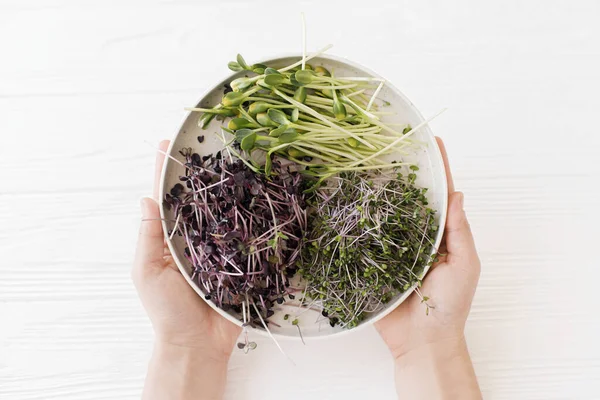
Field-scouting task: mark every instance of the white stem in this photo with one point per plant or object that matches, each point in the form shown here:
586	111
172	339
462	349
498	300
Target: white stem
315	114
303	41
310	57
374	96
175	226
271	335
400	139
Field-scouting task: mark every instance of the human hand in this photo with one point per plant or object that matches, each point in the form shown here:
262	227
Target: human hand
450	285
179	316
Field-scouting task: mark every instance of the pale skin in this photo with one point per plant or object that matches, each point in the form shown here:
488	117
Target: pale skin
193	343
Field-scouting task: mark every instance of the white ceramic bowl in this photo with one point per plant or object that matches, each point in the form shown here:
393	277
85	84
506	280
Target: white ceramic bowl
427	157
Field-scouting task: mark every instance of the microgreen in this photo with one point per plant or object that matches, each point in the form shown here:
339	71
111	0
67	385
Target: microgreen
242	231
369	240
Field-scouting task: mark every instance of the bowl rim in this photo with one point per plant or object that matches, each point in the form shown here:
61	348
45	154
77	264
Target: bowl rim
435	152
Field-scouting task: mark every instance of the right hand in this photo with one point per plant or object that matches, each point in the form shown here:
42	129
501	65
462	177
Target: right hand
450	285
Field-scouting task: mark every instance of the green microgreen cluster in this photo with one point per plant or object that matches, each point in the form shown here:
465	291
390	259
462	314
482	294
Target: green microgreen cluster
369	239
324	123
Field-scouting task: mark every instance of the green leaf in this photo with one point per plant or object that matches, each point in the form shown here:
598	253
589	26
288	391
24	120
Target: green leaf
327	93
288	137
248	141
300	95
258	68
240	83
258	107
239	123
295	115
234	66
274	80
277	116
268	165
406	130
414	167
278	131
271	71
295	322
304	76
339	110
241	134
322	71
205	119
293	152
242	62
264	119
294	82
232	99
352	142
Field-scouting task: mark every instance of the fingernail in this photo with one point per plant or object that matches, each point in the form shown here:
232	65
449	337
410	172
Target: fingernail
461	200
144	205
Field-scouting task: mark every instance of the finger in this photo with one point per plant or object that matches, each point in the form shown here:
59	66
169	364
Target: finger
459	239
449	179
160	160
150	248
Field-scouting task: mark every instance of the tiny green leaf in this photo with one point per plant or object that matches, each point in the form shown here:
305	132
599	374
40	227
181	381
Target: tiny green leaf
258	107
295	115
406	130
295	322
274	80
264	119
278	131
240	83
239	123
322	71
232	99
271	71
305	77
300	95
288	136
339	109
327	93
205	119
294	82
268	165
352	142
258	68
242	133
234	66
277	116
247	142
293	152
242	62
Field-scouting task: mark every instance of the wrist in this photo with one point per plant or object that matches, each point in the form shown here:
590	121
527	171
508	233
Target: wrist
191	354
180	372
438	370
443	349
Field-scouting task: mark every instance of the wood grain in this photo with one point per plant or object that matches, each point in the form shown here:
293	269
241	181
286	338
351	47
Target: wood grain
85	86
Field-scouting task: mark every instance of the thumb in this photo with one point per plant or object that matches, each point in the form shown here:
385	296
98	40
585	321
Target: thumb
150	247
459	239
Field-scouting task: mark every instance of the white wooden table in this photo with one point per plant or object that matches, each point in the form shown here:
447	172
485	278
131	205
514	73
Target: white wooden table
83	86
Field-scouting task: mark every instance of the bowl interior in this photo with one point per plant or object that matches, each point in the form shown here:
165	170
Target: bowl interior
427	157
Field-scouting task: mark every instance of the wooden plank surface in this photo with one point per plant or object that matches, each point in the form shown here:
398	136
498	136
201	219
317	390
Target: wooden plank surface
84	86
